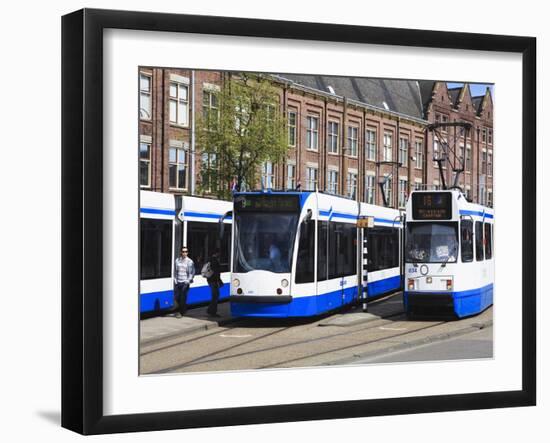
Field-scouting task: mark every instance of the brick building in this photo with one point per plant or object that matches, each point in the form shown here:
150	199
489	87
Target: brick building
345	135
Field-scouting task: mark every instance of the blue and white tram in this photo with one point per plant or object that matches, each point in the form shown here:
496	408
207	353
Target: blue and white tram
449	263
167	223
296	254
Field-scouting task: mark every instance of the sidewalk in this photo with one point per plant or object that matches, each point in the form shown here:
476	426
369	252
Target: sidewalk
196	319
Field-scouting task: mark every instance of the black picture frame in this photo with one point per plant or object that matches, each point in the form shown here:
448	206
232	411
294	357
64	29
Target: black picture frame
82	190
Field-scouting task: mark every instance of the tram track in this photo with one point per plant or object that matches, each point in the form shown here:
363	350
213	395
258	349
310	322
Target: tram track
206	359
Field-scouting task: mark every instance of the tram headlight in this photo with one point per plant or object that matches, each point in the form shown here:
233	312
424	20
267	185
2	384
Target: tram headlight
449	284
410	284
284	283
236	283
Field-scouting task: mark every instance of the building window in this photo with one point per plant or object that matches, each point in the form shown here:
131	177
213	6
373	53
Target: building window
353	134
388	185
210	109
484	135
468	194
333	136
312	133
484	162
145	165
177	168
435	152
490	163
468	163
145	97
352	185
403	148
311	178
332	181
291	176
209	171
370	189
179	104
291	128
402	193
268	178
490	136
419	154
388	146
490	198
370	144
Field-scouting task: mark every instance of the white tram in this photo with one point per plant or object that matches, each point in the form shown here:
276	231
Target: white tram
167	223
296	254
449	260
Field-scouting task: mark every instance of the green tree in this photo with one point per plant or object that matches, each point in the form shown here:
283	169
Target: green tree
241	127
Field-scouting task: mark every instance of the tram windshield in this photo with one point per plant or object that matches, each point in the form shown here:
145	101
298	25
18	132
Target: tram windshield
432	242
264	241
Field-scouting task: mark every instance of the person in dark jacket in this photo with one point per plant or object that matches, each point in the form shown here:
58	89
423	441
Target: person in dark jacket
215	282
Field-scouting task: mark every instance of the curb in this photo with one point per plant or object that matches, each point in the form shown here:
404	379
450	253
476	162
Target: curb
413	343
202	327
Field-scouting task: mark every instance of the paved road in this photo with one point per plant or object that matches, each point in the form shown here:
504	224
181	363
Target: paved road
342	338
478	344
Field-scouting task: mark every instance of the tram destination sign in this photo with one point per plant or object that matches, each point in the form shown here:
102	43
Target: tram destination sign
267	203
432	206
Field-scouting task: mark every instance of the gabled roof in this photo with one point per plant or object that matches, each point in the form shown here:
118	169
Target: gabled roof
402	96
455	93
478	102
426	92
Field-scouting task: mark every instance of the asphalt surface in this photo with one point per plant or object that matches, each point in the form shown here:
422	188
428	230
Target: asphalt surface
345	337
475	345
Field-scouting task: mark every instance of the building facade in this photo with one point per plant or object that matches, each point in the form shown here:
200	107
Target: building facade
348	136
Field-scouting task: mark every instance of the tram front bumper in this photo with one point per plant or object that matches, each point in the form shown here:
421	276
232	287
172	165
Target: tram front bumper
281	299
424	303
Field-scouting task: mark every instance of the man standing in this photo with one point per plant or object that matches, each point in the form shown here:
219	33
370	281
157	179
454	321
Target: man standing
184	271
215	282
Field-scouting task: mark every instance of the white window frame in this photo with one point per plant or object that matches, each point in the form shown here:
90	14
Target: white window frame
312	133
370	145
208	106
388	147
419	153
370	189
144	92
332	181
403	153
312	177
177	163
353	140
351	190
147	161
292	127
177	100
291	178
402	199
333	137
268	175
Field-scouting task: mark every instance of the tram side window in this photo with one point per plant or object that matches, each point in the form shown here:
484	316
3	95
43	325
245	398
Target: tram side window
202	240
322	239
479	241
305	265
349	249
383	248
488	241
155	249
467	240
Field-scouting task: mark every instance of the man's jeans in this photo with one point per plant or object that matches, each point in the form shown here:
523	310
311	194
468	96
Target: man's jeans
180	294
